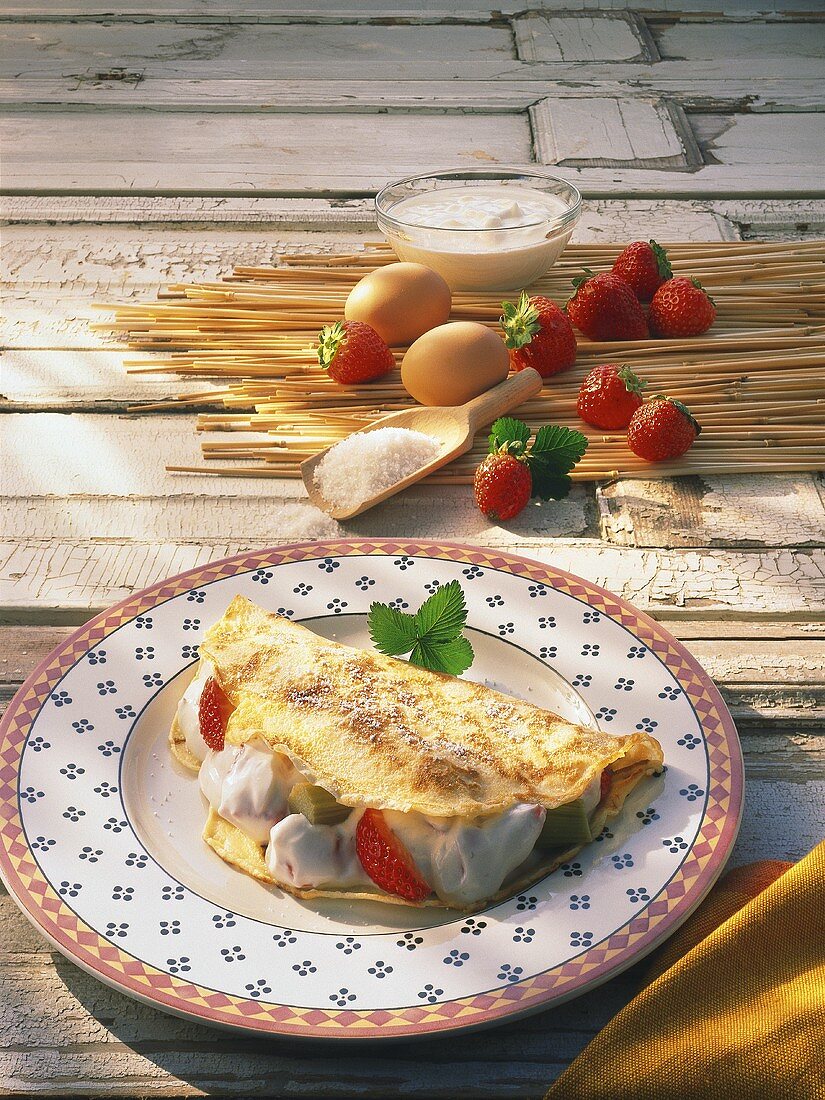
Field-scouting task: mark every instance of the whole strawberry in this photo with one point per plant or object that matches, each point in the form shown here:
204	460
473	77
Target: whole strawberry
516	470
605	308
609	396
662	428
644	266
502	485
352	352
681	307
538	334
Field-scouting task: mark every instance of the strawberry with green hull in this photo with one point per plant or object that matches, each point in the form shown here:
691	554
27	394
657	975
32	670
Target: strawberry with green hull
644	266
538	334
512	472
502	485
609	396
604	307
681	307
662	428
353	352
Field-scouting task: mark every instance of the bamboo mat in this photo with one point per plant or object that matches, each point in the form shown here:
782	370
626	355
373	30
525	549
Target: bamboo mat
754	381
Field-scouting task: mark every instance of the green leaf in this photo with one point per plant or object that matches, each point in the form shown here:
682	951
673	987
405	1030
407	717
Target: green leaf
550	486
453	657
555	452
510	433
432	636
392	632
556	449
442	617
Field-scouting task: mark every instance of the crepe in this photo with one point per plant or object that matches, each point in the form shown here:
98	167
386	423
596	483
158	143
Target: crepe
379	732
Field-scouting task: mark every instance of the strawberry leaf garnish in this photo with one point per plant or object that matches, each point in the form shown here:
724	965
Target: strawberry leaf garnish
520	321
442	616
392	631
555	452
510	435
550	486
558	446
432	636
452	657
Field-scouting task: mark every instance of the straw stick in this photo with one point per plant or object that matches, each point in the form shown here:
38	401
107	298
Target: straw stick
754	380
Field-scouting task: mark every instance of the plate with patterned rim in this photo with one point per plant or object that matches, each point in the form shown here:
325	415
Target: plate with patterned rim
100	829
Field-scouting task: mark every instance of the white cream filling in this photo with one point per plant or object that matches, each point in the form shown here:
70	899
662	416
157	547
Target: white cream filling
464	861
187	712
591	796
249	785
321	856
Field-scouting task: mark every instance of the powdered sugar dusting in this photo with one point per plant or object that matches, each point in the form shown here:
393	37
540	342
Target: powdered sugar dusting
365	464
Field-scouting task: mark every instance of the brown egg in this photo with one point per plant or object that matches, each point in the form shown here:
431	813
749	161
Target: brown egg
400	301
453	363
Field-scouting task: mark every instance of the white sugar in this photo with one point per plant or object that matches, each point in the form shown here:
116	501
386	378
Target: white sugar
365	464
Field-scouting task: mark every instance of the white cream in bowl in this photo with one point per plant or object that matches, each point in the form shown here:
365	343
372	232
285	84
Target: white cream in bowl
484	237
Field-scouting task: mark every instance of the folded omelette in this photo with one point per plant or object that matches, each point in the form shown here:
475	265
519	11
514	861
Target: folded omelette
337	772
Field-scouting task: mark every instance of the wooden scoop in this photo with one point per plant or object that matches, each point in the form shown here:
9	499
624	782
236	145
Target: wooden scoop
452	425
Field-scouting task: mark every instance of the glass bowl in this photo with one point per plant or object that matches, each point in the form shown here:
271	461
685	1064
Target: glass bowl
486	255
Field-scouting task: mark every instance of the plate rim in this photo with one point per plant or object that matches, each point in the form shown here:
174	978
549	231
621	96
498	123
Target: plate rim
355	1025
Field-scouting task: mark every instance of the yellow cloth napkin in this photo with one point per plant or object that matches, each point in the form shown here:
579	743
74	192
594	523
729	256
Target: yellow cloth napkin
735	1005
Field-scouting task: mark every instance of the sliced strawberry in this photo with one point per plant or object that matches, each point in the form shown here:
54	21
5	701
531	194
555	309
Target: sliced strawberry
213	714
386	860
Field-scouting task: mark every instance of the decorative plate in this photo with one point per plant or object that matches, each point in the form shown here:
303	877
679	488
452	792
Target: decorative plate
100	829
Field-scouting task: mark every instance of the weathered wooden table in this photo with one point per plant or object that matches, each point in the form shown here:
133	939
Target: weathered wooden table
171	141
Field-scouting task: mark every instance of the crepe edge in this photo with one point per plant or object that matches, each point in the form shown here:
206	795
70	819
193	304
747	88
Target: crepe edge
230	843
180	750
